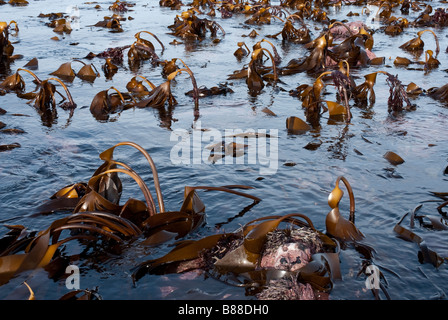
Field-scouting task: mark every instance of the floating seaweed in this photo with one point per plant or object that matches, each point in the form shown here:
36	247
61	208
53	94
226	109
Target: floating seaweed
6	47
143	49
291	34
337	225
416	44
87	72
189	26
425	254
249	254
98	216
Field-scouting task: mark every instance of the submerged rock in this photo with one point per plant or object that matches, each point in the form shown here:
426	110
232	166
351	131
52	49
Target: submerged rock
290	249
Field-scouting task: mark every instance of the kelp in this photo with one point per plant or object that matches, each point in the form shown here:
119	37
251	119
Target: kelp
87	72
240	253
352	50
396	26
33	64
98	216
109	68
319	15
115	54
397	95
397	92
168	66
336	224
254	80
344	85
438	20
311	95
137	88
290	33
103	104
37	250
161	94
18	3
416	45
296	125
241	51
430	61
112	23
7	147
439	93
6	48
173	4
263	15
188	26
160	228
401	61
425	254
43	99
81	294
393	158
314	62
120	6
60	26
143	49
413	90
14	82
64	199
220	89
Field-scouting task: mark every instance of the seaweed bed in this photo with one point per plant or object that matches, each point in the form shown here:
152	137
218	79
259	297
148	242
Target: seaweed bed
94	97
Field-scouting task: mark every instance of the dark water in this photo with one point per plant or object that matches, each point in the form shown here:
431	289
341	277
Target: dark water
53	156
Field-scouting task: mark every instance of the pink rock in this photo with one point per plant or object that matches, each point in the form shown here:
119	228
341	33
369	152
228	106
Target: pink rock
340	32
287	257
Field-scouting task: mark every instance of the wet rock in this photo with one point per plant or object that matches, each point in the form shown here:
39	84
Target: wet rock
290	249
287	290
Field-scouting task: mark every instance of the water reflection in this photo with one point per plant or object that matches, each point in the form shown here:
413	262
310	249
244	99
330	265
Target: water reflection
338	148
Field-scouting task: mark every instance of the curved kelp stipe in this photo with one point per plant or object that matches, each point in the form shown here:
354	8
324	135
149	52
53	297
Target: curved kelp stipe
336	224
161	95
107	156
96	214
417	44
39	249
143	49
292	34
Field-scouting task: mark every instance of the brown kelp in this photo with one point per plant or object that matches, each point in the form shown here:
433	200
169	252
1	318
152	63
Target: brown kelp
281	257
143	49
36	250
6	47
248	256
290	33
416	45
427	253
87	72
254	80
188	26
161	94
98	217
43	98
439	93
336	224
104	103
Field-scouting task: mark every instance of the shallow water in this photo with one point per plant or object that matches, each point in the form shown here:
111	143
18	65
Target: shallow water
53	156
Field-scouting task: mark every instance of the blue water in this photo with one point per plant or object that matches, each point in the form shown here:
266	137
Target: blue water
53	156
